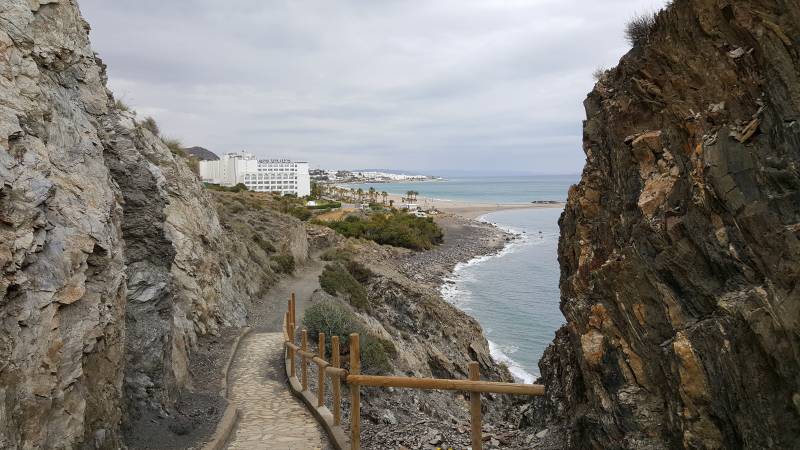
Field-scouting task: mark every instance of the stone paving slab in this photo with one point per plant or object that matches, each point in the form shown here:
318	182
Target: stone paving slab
270	417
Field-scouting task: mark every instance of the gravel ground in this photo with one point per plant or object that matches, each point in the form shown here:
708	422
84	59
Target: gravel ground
198	409
464	239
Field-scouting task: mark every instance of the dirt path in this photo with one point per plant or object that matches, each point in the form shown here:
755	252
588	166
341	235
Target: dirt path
270	417
266	314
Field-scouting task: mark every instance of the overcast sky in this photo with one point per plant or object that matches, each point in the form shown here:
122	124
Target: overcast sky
425	85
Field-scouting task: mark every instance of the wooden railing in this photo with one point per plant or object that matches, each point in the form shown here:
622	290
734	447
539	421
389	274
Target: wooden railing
354	379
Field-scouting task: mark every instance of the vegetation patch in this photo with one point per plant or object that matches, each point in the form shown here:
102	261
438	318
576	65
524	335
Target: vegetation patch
264	244
395	228
151	125
336	279
336	254
325	205
283	264
376	355
333	319
640	28
216	187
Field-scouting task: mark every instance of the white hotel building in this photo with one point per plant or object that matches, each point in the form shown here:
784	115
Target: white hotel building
260	175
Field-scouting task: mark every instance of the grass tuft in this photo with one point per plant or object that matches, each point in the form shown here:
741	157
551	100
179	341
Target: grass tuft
150	124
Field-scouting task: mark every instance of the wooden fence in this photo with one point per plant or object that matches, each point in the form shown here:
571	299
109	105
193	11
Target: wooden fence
331	420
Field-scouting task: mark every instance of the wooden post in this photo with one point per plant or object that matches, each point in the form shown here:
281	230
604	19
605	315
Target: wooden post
303	361
289	311
292	357
475	408
337	394
294	309
355	394
321	377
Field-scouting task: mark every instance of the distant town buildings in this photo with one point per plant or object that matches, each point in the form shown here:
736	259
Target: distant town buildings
260	175
346	176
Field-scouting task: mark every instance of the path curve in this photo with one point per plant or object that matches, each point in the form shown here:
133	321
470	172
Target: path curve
270	416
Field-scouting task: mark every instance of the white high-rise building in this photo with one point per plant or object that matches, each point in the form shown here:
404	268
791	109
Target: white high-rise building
261	175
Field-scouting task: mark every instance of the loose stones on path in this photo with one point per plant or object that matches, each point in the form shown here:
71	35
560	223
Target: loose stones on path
269	416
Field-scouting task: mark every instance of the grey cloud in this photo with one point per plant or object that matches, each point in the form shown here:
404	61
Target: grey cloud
477	84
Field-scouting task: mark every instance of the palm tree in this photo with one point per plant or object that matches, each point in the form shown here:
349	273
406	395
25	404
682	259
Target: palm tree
409	195
372	194
384	194
360	193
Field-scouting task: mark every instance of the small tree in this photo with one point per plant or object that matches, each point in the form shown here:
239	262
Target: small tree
640	28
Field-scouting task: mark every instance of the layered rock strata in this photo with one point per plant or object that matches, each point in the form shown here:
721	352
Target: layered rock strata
680	246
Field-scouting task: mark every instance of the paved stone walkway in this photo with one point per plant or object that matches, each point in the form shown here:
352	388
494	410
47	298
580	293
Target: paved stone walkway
270	417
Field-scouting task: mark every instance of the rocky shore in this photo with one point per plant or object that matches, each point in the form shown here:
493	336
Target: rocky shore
464	240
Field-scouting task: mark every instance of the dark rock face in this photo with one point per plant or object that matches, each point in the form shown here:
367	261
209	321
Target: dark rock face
680	247
203	154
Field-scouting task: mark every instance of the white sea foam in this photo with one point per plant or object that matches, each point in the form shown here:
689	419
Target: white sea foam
453	292
521	375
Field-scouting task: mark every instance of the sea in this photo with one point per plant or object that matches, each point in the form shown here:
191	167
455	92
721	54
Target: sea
514	293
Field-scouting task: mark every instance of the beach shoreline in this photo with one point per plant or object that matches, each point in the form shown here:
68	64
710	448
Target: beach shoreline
471	210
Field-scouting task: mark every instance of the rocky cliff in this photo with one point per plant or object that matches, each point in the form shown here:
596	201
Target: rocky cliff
112	253
680	249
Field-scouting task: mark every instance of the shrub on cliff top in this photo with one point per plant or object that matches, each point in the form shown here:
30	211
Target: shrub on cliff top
639	28
175	146
151	125
336	279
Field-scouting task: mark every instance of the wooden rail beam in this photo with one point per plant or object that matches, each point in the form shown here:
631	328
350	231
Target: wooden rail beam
445	384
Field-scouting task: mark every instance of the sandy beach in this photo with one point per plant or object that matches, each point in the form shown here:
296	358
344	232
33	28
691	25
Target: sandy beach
471	210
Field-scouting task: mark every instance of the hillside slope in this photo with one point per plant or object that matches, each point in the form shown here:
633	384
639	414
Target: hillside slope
680	250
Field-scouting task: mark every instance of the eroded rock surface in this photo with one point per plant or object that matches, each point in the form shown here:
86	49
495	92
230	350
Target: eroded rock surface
114	260
680	250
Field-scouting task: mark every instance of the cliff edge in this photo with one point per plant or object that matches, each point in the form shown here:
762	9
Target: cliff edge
680	246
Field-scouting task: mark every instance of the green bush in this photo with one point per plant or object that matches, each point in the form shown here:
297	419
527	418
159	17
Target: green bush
283	263
375	359
333	319
358	271
301	213
326	205
336	254
336	279
395	228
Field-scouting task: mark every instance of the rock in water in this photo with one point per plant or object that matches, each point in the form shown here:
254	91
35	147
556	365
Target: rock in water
680	249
